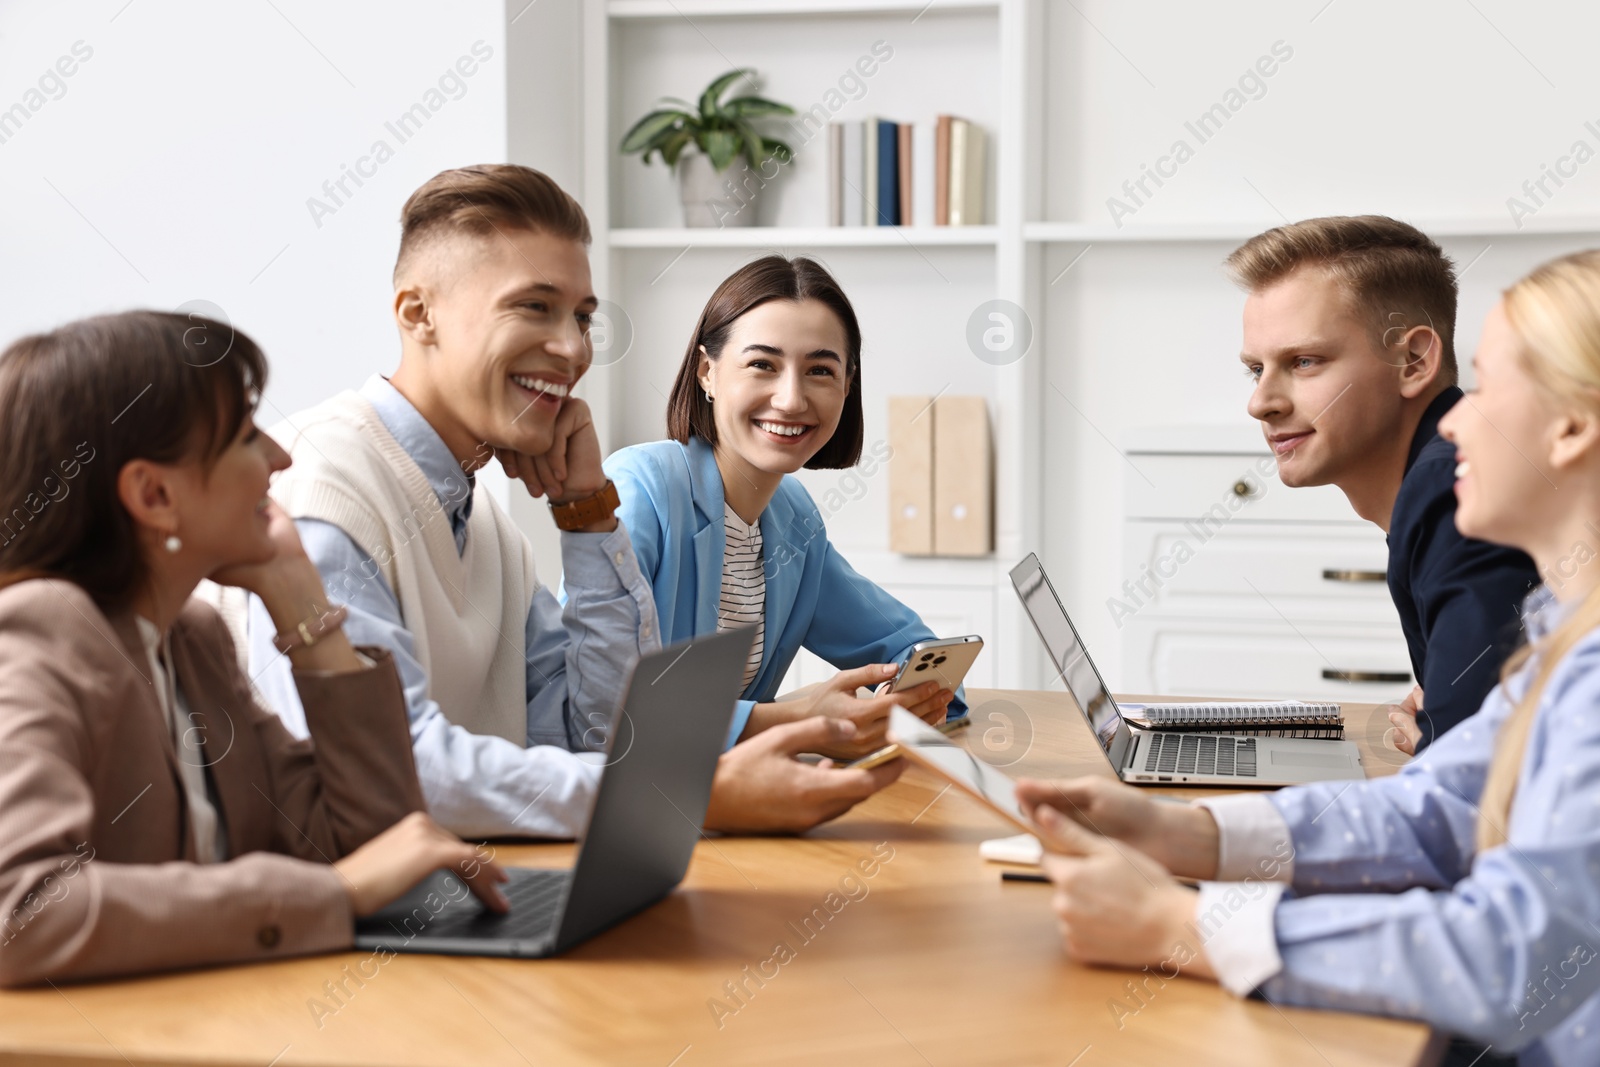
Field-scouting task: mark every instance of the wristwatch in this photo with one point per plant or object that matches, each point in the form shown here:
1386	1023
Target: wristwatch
307	634
576	514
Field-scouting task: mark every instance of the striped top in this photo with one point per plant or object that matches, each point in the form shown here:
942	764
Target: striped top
744	586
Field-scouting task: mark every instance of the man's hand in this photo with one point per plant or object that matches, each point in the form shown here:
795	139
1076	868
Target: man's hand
1115	905
571	469
1182	838
836	699
761	788
1403	717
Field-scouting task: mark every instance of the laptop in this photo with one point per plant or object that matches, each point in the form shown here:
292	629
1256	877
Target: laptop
1169	757
661	754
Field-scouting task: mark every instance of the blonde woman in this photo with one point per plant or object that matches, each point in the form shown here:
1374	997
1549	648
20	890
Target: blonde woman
1464	891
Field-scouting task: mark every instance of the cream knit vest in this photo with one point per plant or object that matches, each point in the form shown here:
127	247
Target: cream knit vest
467	612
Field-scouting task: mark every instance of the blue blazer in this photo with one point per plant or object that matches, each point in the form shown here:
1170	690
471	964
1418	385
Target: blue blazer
673	507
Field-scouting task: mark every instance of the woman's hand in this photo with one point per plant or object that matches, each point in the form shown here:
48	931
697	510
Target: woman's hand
837	699
1182	838
385	868
290	587
1115	905
289	571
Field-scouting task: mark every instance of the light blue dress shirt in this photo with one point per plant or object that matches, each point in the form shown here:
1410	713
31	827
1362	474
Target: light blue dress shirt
578	659
1392	910
673	504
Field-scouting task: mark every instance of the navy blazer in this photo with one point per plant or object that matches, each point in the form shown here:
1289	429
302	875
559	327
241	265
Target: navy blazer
1459	599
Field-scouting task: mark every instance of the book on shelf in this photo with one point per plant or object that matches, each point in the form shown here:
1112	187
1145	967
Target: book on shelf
880	173
1252	718
835	174
869	177
888	201
967	170
906	161
851	164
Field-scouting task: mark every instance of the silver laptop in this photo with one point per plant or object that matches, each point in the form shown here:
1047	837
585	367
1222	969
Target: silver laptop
1161	757
661	754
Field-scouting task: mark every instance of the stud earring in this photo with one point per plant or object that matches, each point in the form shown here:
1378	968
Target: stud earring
172	544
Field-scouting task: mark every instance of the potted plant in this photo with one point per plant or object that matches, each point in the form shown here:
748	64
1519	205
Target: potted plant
718	183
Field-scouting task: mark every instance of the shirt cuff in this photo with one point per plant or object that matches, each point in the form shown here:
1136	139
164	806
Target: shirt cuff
741	716
1237	924
1253	839
604	564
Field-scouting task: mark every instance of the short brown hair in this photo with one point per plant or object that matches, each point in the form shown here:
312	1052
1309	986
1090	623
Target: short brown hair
689	413
77	404
481	199
1393	273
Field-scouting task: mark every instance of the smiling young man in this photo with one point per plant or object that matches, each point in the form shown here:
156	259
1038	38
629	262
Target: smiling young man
492	298
1349	335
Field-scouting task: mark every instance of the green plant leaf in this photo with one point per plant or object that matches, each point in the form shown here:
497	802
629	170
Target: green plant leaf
708	99
654	128
673	147
751	107
778	150
751	145
721	145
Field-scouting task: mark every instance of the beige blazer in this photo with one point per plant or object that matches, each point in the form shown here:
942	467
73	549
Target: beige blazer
93	828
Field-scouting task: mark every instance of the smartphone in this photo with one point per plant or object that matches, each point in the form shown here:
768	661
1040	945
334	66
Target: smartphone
944	660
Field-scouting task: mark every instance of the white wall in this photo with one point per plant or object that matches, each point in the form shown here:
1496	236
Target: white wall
178	164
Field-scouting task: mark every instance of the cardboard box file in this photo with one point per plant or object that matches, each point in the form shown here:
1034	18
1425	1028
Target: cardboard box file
963	486
941	484
911	475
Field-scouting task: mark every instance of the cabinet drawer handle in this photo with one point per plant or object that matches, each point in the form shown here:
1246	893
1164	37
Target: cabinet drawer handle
1333	675
1354	576
1243	488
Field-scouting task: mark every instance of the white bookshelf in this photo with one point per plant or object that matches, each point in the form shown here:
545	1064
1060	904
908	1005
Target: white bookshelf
901	279
784	237
1133	324
1238	232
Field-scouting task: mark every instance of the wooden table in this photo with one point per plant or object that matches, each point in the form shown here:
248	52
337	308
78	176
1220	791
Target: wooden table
931	960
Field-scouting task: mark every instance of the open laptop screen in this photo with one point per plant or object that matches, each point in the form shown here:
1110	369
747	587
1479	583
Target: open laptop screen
1070	659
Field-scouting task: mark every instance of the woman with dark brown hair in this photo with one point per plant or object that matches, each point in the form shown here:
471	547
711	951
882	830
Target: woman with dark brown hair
770	383
153	816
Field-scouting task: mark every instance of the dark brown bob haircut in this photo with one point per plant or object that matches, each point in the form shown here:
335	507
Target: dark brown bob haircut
1395	275
484	199
79	403
689	413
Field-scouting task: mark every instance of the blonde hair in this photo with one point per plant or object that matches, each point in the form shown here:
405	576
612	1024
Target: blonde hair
1554	312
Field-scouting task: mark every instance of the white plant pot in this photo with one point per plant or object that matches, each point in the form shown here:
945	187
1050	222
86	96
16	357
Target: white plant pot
713	199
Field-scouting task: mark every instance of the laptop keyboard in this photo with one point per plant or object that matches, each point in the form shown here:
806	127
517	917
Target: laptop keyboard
535	897
1177	753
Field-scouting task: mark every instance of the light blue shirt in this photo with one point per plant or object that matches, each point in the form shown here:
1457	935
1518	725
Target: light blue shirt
578	659
1392	911
672	503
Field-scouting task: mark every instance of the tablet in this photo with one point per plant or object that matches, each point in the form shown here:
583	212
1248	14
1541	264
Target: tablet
927	747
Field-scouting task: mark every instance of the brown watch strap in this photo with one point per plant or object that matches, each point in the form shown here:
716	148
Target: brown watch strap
576	514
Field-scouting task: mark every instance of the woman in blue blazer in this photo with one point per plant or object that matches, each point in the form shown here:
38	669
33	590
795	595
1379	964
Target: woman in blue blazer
771	382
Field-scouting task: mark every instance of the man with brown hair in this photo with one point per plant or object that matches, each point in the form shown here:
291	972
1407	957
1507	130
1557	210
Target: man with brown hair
1349	331
492	298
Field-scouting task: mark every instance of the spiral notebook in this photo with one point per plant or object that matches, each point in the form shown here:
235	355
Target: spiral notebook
1264	718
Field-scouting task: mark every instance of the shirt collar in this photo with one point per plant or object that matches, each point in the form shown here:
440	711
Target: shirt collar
424	445
1428	428
1542	612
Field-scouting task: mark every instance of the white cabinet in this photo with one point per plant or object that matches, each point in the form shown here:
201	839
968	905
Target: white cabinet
1236	585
